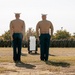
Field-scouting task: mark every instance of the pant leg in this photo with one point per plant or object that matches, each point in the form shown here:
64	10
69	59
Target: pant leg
19	46
14	47
36	45
28	46
47	44
45	50
42	47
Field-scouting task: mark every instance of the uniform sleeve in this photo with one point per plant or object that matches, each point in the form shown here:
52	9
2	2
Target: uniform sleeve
37	29
23	29
11	30
52	29
27	36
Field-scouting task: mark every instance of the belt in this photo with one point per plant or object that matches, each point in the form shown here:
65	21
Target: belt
17	32
45	33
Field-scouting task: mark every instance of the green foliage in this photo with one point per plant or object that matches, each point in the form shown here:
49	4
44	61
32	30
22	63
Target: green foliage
6	35
62	34
73	37
53	43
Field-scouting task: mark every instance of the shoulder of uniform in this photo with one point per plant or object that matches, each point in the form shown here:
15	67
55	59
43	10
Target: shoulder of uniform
12	20
39	21
21	20
49	22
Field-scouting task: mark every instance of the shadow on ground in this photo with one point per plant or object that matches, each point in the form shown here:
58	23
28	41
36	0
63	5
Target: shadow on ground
62	64
51	55
34	54
25	65
23	54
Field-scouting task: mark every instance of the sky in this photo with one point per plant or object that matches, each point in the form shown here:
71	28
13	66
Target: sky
60	12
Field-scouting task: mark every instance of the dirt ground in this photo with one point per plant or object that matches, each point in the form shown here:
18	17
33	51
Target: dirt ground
61	62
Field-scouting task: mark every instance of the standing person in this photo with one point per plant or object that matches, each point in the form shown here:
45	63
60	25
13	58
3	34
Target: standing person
30	32
46	31
17	31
